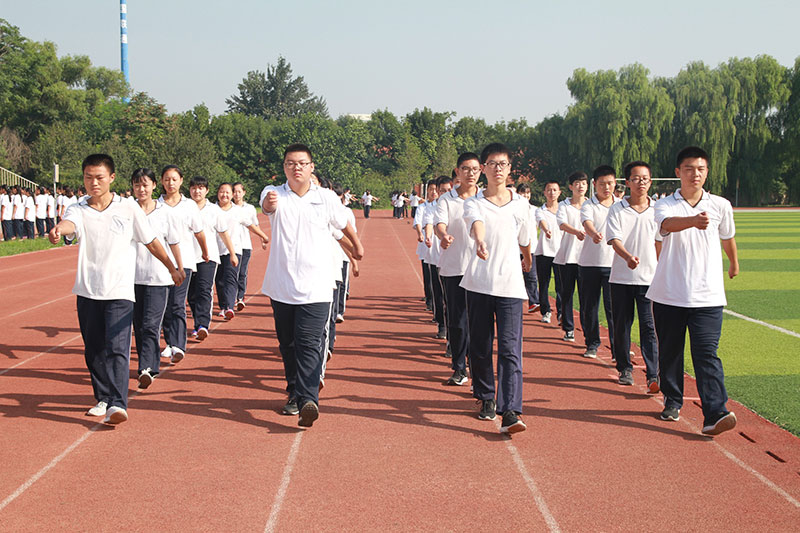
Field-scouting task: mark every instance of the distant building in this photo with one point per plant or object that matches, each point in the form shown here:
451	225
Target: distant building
364	117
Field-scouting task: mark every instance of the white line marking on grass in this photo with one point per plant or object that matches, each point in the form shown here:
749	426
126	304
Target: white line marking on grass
280	496
33	479
76	337
38	306
759	322
552	525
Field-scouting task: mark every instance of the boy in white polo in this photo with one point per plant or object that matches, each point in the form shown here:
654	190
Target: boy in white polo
108	228
546	248
299	278
498	220
632	234
688	291
594	263
443	185
422	248
456	246
568	217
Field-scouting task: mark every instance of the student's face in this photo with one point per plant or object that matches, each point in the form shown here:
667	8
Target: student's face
143	189
171	181
433	193
604	187
444	188
298	168
579	187
198	192
224	195
692	173
238	194
639	181
469	172
526	195
552	191
97	180
497	169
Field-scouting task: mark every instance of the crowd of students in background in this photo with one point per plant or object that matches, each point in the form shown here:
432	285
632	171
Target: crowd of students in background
29	213
488	254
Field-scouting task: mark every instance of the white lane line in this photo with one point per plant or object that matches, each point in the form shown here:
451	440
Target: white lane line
33	479
38	306
760	323
76	337
402	247
280	496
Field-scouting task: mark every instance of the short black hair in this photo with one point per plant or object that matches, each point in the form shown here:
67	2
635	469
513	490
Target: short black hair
443	180
240	184
467	156
523	188
691	152
171	167
633	164
140	173
548	182
298	147
603	170
577	176
619	188
495	148
337	188
199	181
96	160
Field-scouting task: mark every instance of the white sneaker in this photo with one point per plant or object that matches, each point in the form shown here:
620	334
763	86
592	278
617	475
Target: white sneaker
546	317
339	319
115	415
97	410
177	355
145	379
167	352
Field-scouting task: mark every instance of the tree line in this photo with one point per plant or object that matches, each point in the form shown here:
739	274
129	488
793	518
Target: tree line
745	112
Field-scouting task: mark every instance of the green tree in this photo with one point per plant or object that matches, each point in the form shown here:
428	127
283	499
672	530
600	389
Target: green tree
276	94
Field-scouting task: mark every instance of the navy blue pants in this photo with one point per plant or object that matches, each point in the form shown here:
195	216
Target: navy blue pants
175	315
106	331
531	286
484	311
623	298
227	279
330	332
593	280
19	229
300	329
8	229
544	264
40	222
426	282
148	313
50	223
570	276
241	287
28	226
457	321
200	298
438	295
366	211
705	327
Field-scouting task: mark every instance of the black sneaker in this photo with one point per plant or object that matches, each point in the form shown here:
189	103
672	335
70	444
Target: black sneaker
308	414
724	422
488	410
590	353
441	333
625	377
569	336
459	377
290	409
512	423
671	414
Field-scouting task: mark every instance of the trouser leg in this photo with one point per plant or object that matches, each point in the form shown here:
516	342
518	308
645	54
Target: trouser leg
671	325
590	304
92	324
531	286
543	264
705	328
175	315
201	289
481	339
647	331
509	354
438	295
426	281
309	326
148	314
241	282
622	302
457	321
345	287
569	277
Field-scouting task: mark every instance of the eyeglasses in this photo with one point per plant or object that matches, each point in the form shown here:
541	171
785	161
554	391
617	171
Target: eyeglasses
639	179
296	164
498	164
470	170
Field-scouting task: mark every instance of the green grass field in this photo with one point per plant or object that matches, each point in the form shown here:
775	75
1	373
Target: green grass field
762	366
22	246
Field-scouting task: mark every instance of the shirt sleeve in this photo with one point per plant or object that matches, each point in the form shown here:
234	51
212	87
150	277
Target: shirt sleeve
427	217
75	215
196	221
418	215
442	215
586	211
336	211
727	228
561	215
142	230
613	225
472	213
524	231
264	192
663	211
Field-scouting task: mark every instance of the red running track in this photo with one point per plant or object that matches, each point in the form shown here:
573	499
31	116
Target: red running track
207	450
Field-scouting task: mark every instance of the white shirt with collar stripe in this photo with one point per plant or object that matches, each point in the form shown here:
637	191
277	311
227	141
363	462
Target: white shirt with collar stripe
596	254
637	232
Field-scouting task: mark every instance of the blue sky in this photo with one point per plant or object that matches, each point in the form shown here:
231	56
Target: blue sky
500	61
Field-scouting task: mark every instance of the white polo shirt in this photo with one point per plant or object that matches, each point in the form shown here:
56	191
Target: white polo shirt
51	206
548	247
17	206
414	200
533	227
5	202
599	254
107	247
149	270
454	259
367	198
213	224
29	209
188	219
234	218
41	206
297	272
435	251
507	228
637	232
689	271
250	218
570	249
422	250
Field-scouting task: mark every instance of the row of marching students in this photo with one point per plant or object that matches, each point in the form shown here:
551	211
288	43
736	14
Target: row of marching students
136	261
660	258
